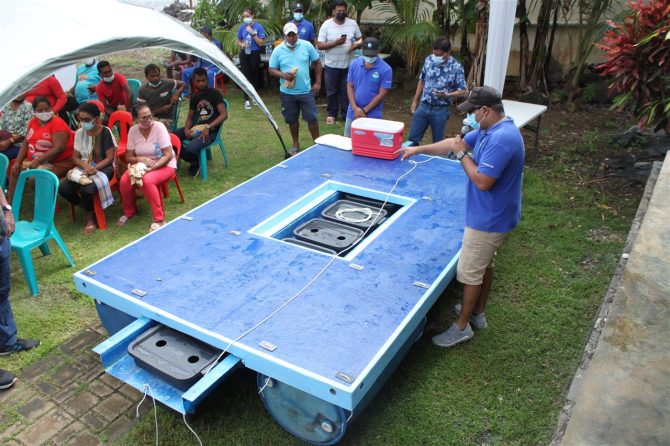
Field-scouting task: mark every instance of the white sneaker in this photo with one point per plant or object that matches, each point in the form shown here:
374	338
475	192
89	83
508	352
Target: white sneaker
477	320
453	336
247	105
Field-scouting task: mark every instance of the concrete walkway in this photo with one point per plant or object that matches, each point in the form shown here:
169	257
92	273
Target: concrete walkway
621	396
67	399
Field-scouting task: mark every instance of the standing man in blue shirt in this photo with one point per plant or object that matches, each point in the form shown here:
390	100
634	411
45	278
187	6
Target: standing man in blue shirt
368	82
492	202
290	61
442	78
211	69
305	27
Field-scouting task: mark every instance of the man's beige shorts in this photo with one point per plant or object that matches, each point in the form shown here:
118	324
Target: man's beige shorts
477	253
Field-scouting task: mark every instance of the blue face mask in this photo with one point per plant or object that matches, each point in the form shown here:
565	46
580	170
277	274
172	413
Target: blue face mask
370	60
88	126
298	16
437	60
248	20
471	121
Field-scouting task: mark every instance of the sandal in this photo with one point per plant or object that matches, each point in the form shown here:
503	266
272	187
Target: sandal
156	225
330	120
90	229
122	220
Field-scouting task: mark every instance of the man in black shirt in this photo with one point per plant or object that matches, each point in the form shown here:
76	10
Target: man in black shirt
206	113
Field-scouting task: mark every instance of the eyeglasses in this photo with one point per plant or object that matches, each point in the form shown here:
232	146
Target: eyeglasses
145	118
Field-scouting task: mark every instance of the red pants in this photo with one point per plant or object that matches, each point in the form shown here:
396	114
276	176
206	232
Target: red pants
150	181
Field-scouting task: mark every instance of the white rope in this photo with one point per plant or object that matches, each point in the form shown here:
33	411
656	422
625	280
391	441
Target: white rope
267	380
145	388
191	429
299	292
340	214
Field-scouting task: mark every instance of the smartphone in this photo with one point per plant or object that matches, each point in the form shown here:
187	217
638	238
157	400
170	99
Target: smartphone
343	36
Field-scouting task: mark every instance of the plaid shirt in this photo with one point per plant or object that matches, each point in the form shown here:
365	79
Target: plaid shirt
3	226
448	76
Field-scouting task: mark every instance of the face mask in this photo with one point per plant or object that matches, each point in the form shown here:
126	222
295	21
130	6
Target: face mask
471	121
248	20
90	62
45	116
145	125
290	45
108	79
437	60
156	84
88	126
298	16
370	60
341	16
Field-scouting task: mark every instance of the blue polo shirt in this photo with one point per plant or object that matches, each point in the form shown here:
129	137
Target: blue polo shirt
242	34
367	84
305	30
204	63
285	58
499	153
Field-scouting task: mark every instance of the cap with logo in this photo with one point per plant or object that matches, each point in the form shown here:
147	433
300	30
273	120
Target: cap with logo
479	97
290	28
370	46
298	8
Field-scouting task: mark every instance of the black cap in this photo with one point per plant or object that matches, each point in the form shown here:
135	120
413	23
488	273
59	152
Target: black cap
298	7
479	97
206	29
370	46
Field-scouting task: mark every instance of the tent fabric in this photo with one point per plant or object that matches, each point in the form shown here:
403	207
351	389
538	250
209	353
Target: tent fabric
501	28
41	36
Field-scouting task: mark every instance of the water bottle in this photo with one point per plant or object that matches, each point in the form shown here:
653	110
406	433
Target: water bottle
247	46
268	49
358	52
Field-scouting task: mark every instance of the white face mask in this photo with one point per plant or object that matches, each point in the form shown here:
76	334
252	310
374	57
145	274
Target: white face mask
108	79
44	116
370	60
248	20
437	60
290	45
471	121
156	84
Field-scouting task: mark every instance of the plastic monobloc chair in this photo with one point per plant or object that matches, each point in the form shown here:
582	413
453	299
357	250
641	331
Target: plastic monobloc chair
206	152
134	85
36	233
4	165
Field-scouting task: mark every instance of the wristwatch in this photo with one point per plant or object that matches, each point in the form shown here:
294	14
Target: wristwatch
207	127
6	208
461	154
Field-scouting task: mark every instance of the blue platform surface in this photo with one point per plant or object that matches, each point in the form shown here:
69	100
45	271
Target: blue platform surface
215	276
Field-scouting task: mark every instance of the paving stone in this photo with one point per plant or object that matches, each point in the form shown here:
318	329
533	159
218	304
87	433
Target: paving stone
113	406
92	375
118	428
130	392
111	381
87	360
66	393
65	374
70	431
6	394
93	421
85	439
48	426
35	408
12	443
40	368
84	340
22	392
4	418
11	431
45	387
81	403
99	388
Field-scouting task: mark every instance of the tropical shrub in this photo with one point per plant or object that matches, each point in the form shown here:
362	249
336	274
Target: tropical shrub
638	52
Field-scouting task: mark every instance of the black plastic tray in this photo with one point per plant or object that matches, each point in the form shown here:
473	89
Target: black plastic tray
314	246
377	218
329	234
177	358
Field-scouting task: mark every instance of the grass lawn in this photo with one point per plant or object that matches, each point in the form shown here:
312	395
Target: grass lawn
505	387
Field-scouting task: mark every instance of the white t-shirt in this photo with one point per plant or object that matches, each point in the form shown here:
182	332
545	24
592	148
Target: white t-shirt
339	56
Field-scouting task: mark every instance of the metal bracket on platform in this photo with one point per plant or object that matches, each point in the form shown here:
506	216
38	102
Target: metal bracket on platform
326	175
344	377
187	218
422	284
427	198
356	266
283	166
234	232
268	346
139	292
89	272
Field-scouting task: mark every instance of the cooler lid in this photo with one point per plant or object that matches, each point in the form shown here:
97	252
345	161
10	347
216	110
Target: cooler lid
378	125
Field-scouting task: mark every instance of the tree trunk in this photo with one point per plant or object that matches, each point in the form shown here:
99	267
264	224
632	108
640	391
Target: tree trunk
476	74
523	44
439	7
536	74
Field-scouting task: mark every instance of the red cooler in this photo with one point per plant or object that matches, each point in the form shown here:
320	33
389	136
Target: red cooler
377	138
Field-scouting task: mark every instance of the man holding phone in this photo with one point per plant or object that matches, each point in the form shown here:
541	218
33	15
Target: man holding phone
338	36
442	78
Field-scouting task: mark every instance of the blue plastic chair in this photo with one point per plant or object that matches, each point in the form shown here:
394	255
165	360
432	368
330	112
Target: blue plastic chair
4	164
206	152
134	85
36	233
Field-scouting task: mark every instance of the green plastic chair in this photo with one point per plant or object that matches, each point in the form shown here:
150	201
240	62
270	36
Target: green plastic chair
4	164
175	114
206	152
134	85
36	233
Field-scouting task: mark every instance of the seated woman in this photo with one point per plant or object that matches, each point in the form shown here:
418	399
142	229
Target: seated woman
151	162
94	148
47	145
14	119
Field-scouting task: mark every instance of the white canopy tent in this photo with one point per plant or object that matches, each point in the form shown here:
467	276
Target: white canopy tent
41	36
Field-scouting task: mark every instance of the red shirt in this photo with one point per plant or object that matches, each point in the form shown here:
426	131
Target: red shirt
40	138
51	89
114	94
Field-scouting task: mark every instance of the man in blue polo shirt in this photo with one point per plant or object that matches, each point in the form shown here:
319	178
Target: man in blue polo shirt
210	67
492	202
305	27
290	61
368	82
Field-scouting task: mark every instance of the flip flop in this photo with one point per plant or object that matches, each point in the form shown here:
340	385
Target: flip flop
90	229
122	220
156	225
